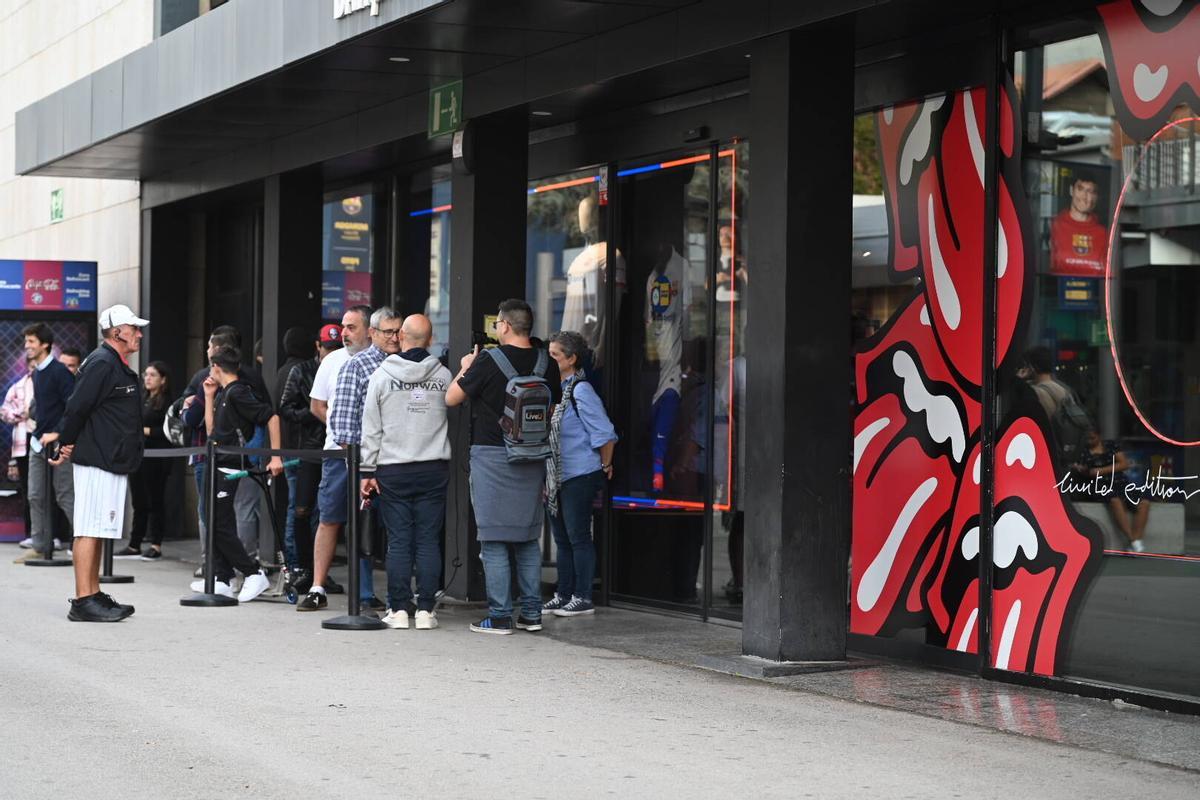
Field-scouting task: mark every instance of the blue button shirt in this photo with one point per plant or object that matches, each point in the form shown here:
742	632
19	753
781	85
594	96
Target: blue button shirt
584	432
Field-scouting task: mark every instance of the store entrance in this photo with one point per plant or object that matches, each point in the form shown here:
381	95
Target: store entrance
645	260
676	536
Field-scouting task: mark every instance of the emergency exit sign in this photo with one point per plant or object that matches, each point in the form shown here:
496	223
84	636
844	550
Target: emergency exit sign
445	109
57	211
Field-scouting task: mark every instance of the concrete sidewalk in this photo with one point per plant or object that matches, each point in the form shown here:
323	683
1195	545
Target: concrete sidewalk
259	701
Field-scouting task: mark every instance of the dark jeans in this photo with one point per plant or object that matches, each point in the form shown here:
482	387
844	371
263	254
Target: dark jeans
228	551
572	528
149	486
412	503
308	478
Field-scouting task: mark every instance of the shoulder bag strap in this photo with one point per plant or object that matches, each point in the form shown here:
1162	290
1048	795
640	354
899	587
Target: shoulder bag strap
506	366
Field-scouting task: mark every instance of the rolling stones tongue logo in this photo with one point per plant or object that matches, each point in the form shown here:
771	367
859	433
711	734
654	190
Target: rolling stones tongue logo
1152	51
916	458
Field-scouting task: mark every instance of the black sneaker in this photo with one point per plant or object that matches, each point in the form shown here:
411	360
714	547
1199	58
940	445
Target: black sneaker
128	552
530	625
301	581
332	587
152	554
373	604
576	607
108	600
493	625
554	604
313	601
93	609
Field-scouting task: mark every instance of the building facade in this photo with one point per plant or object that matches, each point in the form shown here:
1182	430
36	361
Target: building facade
991	467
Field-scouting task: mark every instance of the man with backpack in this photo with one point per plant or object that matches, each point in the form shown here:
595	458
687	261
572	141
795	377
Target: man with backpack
512	389
1069	422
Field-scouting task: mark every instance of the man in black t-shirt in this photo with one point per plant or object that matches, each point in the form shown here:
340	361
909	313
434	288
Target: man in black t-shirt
230	419
507	497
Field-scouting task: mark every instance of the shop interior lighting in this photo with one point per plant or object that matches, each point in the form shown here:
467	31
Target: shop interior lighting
425	212
400	59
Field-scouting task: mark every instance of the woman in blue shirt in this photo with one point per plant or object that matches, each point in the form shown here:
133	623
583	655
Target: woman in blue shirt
582	439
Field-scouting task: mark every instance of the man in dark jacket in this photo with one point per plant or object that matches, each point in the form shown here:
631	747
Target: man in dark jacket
307	433
298	348
101	433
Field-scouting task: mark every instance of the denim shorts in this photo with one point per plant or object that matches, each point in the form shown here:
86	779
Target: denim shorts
331	497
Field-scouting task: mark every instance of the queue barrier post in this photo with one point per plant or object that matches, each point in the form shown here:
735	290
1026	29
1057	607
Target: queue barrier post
354	620
106	565
48	521
209	598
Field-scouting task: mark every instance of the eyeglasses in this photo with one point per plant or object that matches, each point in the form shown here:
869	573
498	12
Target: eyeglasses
496	323
390	333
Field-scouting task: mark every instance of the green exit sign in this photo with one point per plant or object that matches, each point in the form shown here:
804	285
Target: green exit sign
56	205
445	109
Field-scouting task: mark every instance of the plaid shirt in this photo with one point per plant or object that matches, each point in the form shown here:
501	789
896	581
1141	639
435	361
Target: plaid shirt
350	394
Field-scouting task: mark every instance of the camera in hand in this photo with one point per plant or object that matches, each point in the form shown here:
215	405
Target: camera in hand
53	450
482	340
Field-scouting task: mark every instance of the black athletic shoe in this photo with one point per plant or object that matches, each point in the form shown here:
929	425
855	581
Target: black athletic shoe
493	625
93	609
152	554
127	552
526	624
332	587
374	604
301	581
313	601
108	600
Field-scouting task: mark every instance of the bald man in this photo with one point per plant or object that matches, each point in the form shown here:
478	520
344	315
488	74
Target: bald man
407	464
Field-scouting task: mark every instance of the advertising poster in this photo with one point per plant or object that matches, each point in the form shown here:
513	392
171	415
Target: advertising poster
346	262
67	333
1079	229
47	285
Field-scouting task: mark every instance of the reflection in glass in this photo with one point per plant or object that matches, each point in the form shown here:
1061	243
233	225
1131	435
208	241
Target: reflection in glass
347	253
424	281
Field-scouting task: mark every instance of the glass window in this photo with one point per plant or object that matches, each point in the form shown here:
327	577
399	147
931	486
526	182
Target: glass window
348	252
423	283
1105	378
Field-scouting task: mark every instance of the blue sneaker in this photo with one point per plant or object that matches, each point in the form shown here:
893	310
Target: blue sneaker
577	607
495	625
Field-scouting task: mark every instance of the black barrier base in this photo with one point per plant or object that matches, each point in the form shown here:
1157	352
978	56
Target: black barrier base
116	579
48	562
207	600
358	623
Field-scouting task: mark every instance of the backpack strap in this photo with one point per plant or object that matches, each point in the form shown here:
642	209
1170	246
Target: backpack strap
506	366
543	362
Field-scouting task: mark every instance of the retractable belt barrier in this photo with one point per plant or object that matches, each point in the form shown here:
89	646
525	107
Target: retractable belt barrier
354	618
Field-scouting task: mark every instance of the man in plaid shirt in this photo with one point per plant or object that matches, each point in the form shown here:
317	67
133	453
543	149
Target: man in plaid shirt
345	428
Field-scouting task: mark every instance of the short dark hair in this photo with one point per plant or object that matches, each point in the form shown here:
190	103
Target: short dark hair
229	359
362	311
228	330
72	352
518	315
41	330
1040	359
224	340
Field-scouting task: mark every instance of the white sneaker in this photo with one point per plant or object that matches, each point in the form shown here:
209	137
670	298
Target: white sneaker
1137	546
397	619
26	543
426	620
219	587
253	586
58	544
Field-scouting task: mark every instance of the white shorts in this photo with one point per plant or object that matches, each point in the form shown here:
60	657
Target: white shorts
99	502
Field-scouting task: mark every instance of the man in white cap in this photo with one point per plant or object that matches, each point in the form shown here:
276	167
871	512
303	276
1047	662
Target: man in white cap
101	433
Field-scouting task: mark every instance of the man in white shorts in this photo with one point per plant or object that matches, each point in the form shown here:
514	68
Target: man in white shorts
101	433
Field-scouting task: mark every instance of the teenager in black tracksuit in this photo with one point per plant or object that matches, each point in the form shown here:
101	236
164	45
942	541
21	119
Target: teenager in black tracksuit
230	418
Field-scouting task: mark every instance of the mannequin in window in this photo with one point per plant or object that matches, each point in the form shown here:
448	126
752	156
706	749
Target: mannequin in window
666	301
584	307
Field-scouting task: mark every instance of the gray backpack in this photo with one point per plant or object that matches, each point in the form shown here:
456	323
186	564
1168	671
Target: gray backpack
527	402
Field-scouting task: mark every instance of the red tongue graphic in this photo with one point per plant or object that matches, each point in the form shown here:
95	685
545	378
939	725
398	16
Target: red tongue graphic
1016	611
964	633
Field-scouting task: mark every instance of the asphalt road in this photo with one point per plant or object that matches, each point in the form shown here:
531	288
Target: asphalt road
259	702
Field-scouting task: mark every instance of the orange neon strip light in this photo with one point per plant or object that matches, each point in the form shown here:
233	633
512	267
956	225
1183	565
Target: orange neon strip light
550	187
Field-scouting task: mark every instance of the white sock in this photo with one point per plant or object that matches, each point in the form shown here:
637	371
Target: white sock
317	589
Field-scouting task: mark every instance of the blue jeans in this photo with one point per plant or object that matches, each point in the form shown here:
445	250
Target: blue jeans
497	576
572	528
413	506
198	470
290	556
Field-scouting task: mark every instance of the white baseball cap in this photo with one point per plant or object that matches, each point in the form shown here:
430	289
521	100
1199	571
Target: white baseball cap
119	314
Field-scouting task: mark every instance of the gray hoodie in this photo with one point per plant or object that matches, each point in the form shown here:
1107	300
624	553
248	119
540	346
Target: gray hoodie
404	419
